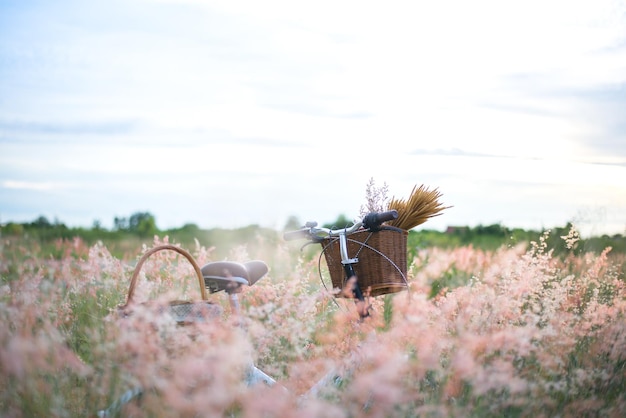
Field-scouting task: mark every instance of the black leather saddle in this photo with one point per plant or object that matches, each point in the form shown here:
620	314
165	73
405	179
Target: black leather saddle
231	276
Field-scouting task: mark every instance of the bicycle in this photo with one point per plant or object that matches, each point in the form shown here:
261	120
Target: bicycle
337	246
231	277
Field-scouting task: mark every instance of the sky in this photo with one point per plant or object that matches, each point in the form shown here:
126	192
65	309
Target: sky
232	113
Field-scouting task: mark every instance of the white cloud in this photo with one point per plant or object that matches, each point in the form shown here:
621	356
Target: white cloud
34	185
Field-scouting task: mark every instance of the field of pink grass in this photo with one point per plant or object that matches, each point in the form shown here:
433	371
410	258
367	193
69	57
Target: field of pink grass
514	332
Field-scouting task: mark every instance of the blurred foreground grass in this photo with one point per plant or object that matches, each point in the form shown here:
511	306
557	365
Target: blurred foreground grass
514	330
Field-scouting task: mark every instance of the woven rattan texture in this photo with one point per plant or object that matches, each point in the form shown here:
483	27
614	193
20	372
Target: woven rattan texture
382	259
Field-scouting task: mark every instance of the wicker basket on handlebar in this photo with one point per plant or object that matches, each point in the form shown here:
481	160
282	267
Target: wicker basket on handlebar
382	260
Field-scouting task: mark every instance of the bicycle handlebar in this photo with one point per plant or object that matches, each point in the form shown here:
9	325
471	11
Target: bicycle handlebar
372	221
303	233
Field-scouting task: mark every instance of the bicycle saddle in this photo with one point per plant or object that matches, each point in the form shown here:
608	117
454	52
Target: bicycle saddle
230	275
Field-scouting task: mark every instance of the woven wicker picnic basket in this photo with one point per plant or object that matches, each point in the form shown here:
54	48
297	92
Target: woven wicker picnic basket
184	312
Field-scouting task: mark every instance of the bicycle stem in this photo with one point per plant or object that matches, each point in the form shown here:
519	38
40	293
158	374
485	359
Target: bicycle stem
358	293
348	264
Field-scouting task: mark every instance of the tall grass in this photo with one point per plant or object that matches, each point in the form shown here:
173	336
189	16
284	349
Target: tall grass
511	332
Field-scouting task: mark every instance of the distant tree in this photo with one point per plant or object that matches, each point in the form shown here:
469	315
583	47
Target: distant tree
142	223
41	222
12	228
97	225
494	230
120	224
190	227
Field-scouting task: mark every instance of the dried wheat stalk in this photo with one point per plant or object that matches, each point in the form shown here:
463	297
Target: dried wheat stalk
422	205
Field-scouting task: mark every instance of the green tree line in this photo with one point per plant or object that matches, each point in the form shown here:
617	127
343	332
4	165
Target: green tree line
140	227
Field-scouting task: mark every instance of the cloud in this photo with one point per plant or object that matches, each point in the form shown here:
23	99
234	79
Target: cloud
104	128
32	185
453	152
320	111
514	106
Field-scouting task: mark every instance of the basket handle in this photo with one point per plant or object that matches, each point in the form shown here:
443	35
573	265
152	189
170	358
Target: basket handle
133	280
